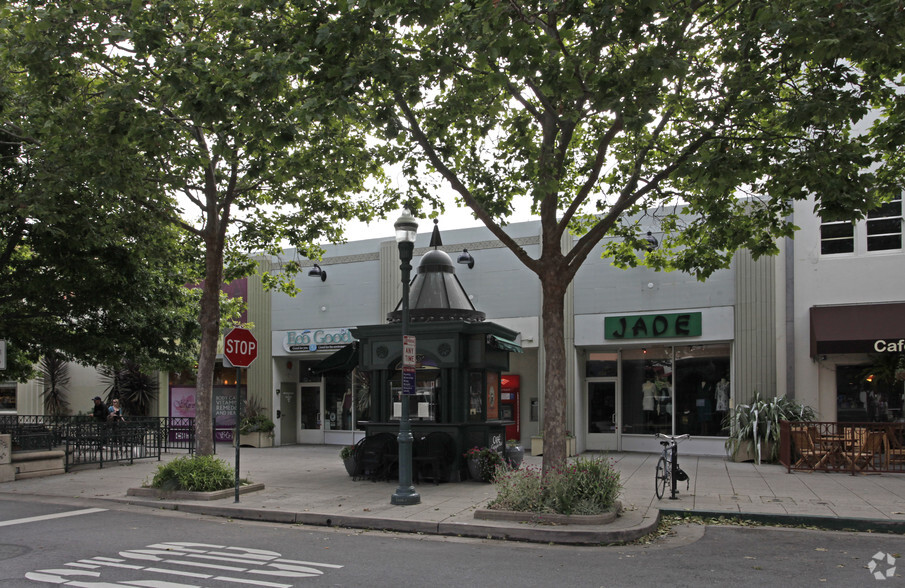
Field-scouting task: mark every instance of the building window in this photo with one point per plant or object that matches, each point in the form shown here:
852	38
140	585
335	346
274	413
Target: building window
837	237
7	396
884	227
881	231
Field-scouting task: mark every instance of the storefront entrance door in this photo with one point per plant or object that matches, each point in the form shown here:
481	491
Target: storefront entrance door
311	417
602	414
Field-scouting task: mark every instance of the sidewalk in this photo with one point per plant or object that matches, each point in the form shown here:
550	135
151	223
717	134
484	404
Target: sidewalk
307	484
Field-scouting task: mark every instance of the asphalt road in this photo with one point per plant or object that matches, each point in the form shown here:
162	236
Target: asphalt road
102	544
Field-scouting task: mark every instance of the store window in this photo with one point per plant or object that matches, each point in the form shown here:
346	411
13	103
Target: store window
424	403
7	396
348	398
675	390
869	392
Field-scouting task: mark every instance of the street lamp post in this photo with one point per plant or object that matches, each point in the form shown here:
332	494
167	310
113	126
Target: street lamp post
406	229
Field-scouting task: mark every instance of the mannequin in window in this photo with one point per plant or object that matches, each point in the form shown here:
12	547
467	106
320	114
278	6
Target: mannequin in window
649	401
721	396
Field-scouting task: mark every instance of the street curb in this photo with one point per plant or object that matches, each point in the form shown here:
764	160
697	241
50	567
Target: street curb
528	533
187	495
816	521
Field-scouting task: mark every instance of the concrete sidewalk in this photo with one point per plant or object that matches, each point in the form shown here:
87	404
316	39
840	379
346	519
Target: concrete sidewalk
308	484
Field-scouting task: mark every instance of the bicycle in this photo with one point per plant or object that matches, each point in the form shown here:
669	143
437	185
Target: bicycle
668	470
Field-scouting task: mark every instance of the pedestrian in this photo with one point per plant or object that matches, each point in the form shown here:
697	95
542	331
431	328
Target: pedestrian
115	412
100	410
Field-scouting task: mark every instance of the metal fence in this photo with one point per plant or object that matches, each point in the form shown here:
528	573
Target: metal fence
87	441
854	448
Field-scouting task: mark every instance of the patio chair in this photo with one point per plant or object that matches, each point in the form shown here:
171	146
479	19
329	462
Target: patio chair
809	456
865	455
895	452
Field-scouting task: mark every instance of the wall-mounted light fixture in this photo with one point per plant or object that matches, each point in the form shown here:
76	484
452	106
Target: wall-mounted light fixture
278	391
465	258
317	272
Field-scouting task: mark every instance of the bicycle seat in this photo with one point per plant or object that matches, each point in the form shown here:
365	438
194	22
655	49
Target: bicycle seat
664	443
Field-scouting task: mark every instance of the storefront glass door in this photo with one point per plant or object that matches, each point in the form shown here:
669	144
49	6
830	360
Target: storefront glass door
603	414
311	418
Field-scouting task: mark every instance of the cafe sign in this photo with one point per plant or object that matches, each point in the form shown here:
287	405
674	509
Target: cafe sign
311	340
653	326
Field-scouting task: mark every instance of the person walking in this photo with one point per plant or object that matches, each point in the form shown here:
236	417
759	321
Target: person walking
100	410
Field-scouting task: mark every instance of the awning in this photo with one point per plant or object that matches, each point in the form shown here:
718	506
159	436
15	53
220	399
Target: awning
504	344
343	360
856	328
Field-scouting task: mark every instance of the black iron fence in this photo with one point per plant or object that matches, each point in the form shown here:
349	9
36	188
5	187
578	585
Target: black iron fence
843	447
87	441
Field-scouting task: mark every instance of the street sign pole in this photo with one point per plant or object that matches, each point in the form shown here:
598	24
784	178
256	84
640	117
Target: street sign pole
240	349
238	418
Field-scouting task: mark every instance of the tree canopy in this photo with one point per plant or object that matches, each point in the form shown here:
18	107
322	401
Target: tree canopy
700	120
215	106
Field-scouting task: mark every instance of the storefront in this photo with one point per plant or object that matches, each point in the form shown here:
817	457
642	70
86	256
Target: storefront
860	349
651	373
319	402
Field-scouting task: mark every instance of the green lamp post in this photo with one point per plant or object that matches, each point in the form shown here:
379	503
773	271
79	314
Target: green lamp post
406	230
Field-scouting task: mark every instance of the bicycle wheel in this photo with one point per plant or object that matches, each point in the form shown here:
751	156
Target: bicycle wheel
662	478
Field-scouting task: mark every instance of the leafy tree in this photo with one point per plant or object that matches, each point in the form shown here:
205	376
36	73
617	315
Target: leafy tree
85	274
703	119
220	104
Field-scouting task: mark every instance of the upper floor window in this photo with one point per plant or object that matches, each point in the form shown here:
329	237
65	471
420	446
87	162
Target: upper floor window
881	231
884	226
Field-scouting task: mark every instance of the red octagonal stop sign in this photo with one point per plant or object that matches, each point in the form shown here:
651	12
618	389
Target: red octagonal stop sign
240	347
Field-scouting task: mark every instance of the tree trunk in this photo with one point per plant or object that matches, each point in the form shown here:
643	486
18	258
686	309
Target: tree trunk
555	453
209	320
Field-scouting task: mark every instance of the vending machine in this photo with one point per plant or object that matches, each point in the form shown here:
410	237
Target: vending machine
509	405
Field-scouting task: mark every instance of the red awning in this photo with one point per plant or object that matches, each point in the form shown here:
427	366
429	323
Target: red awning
855	328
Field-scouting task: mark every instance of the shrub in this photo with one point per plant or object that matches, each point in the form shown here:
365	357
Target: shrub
255	424
754	425
199	473
346	452
584	487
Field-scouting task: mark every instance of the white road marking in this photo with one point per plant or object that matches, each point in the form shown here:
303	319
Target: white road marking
50	517
172	558
252	582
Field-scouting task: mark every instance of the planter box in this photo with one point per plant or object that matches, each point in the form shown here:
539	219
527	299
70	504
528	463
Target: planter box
257	439
537	446
748	452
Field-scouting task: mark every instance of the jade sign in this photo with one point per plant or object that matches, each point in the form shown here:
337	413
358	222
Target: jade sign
652	326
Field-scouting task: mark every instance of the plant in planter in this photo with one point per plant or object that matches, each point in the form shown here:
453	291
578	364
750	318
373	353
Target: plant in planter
347	454
256	430
483	463
515	453
754	428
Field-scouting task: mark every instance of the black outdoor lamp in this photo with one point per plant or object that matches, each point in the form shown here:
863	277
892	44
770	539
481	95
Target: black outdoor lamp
652	242
317	272
406	230
465	258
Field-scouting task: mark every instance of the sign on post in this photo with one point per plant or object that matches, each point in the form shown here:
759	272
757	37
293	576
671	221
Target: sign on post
240	347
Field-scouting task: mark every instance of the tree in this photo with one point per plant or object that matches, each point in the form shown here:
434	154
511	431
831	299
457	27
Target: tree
705	119
85	275
220	103
55	375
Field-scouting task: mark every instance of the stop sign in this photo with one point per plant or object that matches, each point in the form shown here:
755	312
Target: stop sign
240	347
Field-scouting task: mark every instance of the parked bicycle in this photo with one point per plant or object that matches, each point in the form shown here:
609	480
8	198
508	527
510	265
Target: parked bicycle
668	470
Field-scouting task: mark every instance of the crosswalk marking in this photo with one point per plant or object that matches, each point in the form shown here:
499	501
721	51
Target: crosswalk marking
49	517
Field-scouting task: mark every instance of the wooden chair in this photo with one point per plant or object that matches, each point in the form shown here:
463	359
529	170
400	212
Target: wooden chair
895	452
865	455
809	456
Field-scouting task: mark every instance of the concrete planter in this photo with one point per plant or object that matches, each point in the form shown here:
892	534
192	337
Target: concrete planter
488	514
256	439
537	446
